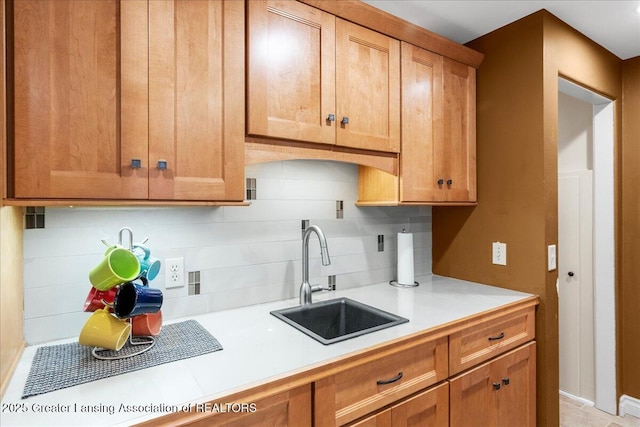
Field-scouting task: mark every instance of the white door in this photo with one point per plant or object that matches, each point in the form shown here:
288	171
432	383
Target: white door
575	283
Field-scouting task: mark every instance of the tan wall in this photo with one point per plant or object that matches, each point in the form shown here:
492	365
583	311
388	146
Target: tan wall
629	295
517	122
11	292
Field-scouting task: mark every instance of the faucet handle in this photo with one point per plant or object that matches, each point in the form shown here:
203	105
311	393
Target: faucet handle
318	288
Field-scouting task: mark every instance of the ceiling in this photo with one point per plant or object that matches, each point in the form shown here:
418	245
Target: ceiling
615	25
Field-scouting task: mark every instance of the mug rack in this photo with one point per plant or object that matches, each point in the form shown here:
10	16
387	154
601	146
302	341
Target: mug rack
149	341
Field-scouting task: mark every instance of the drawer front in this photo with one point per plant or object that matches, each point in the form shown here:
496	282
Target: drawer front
484	340
379	382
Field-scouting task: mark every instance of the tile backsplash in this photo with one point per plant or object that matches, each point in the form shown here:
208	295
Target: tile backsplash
245	255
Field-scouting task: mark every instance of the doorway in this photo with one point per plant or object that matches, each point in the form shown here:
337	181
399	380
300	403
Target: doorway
586	256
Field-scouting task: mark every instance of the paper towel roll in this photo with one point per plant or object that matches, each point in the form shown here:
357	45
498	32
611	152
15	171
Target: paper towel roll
405	259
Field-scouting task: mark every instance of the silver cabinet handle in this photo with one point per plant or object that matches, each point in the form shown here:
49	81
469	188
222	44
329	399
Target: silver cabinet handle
162	165
136	163
331	118
345	121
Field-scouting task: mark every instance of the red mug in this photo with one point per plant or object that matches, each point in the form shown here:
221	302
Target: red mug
146	325
96	300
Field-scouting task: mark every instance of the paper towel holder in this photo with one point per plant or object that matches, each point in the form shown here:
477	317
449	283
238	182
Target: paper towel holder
397	283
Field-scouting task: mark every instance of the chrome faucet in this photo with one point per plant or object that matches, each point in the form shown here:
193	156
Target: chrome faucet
305	288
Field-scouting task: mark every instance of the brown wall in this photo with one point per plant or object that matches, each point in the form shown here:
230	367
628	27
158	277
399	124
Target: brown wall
629	295
517	122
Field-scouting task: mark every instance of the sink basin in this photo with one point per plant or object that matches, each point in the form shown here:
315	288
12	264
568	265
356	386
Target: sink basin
337	319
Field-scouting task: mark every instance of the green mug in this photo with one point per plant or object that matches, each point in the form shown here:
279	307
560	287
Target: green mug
118	266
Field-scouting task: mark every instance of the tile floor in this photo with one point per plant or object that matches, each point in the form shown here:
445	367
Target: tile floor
576	414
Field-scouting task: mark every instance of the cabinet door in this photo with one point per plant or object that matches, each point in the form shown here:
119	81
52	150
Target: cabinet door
422	125
430	408
367	88
498	393
80	99
457	157
473	400
196	102
518	391
291	71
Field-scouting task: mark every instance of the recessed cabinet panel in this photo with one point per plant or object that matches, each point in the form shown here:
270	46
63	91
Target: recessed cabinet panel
498	393
458	152
80	99
422	125
368	88
291	72
196	105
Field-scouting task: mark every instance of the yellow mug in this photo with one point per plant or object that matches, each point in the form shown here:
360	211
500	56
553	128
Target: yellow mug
105	331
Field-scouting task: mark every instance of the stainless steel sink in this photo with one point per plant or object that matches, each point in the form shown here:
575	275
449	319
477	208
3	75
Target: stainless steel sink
337	320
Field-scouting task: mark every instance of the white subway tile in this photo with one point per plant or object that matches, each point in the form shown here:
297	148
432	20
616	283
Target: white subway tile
245	255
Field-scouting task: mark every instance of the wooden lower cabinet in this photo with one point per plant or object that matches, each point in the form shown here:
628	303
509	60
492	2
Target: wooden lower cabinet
501	392
429	408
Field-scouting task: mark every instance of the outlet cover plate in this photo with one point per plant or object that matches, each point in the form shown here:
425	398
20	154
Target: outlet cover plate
499	253
174	272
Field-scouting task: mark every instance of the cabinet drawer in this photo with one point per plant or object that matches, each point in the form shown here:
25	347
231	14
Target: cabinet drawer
482	341
378	382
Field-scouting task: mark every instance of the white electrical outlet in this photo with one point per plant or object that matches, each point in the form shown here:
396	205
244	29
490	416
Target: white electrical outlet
499	253
174	272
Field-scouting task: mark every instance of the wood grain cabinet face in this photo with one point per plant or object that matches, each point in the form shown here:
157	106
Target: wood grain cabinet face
486	339
313	77
80	99
498	393
422	125
196	103
457	160
103	90
291	71
368	88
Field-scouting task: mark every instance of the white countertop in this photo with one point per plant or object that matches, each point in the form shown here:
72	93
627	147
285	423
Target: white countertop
256	347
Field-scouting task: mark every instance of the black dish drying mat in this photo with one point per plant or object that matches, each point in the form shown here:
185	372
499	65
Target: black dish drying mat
66	365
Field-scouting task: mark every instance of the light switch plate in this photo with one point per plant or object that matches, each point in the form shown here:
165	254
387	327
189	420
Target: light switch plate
499	252
552	262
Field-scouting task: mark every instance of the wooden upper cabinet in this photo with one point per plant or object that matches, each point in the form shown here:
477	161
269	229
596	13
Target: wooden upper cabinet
458	158
80	99
438	153
196	102
438	128
291	72
308	70
368	88
105	90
